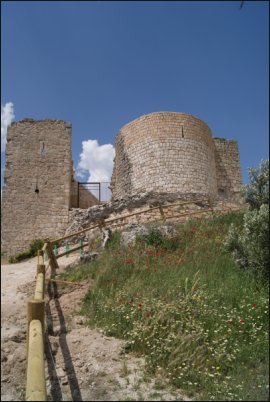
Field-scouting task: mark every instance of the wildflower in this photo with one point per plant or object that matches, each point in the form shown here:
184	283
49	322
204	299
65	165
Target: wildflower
242	321
254	305
139	306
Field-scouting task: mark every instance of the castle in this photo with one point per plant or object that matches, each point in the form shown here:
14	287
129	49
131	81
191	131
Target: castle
166	152
174	152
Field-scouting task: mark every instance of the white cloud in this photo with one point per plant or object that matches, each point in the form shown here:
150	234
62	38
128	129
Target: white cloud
7	115
96	161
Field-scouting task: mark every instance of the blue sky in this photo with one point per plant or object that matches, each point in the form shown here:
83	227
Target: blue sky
99	65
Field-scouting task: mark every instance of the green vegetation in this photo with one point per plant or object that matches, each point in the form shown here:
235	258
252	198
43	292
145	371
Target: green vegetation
187	307
34	246
249	244
256	192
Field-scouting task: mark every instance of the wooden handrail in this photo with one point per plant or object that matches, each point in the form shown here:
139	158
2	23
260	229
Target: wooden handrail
39	292
35	377
150	209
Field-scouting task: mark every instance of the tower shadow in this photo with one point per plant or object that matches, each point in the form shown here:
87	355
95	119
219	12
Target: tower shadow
69	367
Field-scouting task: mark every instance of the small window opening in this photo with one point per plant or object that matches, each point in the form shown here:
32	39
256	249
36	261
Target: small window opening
37	189
182	132
42	148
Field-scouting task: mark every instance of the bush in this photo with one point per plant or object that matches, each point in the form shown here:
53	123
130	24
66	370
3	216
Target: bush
155	238
256	192
34	246
249	243
249	246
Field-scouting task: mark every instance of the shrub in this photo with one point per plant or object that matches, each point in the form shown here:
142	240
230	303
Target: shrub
249	243
249	246
256	192
155	238
34	246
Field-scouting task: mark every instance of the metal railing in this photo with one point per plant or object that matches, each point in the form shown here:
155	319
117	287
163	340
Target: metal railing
100	190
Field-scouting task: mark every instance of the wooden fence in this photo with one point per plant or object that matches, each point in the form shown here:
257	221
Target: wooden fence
35	383
162	217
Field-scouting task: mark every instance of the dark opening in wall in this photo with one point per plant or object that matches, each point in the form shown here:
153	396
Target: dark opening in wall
42	150
182	132
37	189
222	192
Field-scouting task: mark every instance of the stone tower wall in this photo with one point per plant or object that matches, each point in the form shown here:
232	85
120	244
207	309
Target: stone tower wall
164	152
38	153
228	170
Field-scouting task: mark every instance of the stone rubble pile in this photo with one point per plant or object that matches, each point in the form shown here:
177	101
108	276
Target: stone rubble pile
82	218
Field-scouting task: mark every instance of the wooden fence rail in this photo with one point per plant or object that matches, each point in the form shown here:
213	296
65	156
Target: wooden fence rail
105	222
36	385
35	375
48	246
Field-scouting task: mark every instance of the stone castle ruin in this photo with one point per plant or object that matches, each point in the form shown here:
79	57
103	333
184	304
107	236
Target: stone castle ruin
39	188
159	153
174	152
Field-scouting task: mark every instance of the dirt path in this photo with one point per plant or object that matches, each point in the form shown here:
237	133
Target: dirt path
81	364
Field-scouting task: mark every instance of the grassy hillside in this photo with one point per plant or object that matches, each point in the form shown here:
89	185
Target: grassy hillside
186	306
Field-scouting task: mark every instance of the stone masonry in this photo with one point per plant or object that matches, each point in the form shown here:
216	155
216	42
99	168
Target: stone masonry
174	152
229	178
38	178
163	153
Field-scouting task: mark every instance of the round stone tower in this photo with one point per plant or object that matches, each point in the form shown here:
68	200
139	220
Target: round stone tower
165	152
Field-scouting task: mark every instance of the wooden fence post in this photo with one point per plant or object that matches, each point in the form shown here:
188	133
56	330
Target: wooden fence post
101	223
36	385
40	256
35	311
41	270
161	210
40	287
52	259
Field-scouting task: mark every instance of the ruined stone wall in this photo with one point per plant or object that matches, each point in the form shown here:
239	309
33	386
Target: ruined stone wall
228	170
38	156
164	152
85	199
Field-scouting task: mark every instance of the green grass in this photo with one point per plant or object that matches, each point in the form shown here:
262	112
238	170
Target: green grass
187	307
